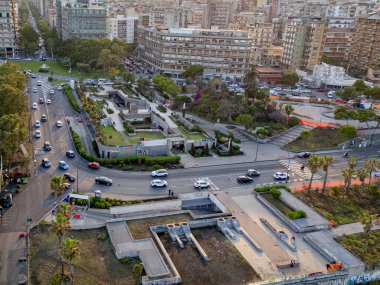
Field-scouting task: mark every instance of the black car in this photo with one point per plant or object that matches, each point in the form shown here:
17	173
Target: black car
103	180
244	179
46	163
47	146
69	177
70	154
303	155
6	200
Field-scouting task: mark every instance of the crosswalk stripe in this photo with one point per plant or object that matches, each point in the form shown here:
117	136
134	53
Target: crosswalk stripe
295	167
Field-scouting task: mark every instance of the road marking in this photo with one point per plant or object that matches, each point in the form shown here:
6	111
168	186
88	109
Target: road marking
295	167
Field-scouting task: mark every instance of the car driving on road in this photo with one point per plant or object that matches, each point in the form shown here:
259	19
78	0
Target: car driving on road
252	173
93	165
103	180
201	184
47	146
37	135
59	124
303	155
69	177
70	154
37	124
281	176
159	173
34	105
244	179
158	183
63	165
46	163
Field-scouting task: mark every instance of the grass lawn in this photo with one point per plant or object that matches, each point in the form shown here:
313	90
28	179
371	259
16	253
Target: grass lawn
146	135
189	136
341	211
112	137
96	264
356	243
56	81
281	206
319	138
57	69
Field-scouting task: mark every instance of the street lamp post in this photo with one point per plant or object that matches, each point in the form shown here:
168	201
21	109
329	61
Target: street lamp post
78	180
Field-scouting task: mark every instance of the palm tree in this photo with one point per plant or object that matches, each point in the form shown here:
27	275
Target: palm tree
313	163
69	251
325	162
368	222
60	225
304	135
347	175
352	162
371	164
362	174
289	110
57	185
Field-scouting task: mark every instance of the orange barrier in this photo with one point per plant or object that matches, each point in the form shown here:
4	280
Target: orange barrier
318	125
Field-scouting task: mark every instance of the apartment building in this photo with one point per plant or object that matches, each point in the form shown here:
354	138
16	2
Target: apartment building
293	44
246	19
312	52
373	75
221	13
170	51
177	17
124	28
9	28
261	34
365	45
84	21
266	55
336	39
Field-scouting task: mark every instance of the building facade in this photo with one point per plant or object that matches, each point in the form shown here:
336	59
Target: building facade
221	13
312	52
124	28
222	53
365	45
9	28
83	21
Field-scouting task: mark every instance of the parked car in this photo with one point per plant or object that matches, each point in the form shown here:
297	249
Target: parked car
281	176
46	163
69	177
43	118
321	90
303	154
70	154
158	183
244	179
201	184
159	173
48	101
63	165
37	135
37	124
47	146
103	180
93	165
34	106
59	124
252	173
6	200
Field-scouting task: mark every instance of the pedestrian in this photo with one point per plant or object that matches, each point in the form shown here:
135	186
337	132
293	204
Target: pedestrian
170	192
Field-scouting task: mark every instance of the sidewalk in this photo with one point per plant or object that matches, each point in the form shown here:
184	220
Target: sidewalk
349	229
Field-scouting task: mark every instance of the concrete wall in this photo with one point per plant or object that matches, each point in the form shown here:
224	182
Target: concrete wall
218	203
172	205
158	122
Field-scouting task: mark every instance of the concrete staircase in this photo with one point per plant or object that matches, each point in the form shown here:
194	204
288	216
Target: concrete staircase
290	135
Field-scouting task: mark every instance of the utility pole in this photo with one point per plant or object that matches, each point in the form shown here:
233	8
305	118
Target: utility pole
77	180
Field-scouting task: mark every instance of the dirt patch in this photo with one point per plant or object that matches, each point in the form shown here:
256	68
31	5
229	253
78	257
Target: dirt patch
226	265
97	263
140	228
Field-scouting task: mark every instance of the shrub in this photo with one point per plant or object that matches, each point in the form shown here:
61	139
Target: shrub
275	193
293	215
348	131
156	166
110	111
270	187
50	78
71	98
293	121
162	108
263	132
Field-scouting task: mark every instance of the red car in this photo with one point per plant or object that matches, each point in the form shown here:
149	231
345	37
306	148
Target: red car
94	165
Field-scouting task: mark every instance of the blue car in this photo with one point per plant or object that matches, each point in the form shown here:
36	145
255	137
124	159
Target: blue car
63	165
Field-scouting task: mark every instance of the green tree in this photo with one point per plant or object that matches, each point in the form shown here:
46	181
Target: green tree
303	136
250	82
352	162
290	78
288	110
245	119
57	185
362	175
137	270
360	86
193	71
326	162
165	84
69	252
371	164
368	221
313	163
347	174
129	77
206	150
28	38
364	116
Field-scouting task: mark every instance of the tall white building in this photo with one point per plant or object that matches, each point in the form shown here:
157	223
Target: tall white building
124	28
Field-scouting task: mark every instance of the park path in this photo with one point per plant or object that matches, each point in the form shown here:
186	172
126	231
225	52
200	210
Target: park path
349	229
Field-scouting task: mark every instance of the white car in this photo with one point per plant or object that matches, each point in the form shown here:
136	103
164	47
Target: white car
51	91
37	124
159	173
37	134
59	88
201	184
281	176
39	83
59	124
158	183
330	95
35	90
277	89
48	101
34	106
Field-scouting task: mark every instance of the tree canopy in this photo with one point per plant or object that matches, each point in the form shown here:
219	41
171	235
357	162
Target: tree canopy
193	71
290	78
165	84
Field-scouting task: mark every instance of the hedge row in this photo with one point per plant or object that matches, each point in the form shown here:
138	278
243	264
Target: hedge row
104	203
72	100
296	214
270	187
122	160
